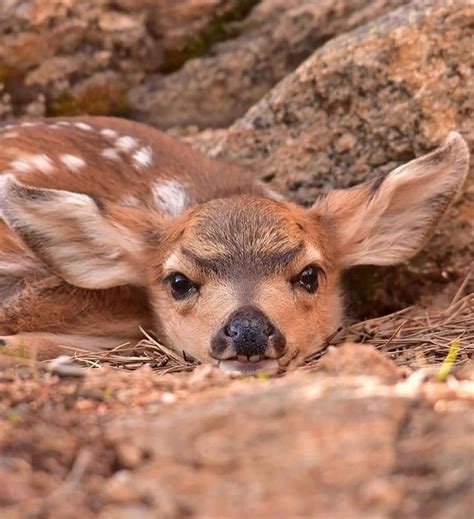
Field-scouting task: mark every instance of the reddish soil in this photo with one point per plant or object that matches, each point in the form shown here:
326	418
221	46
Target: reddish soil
353	437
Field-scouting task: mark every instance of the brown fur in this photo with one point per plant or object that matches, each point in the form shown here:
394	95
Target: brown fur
110	180
80	271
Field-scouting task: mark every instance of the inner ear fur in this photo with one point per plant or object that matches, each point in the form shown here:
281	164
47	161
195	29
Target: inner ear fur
88	243
387	220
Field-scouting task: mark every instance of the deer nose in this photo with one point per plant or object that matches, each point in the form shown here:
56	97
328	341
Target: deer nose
248	333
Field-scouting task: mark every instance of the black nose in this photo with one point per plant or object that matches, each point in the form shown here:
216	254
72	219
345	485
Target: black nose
249	332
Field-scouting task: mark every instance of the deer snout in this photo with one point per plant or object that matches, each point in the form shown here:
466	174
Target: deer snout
248	337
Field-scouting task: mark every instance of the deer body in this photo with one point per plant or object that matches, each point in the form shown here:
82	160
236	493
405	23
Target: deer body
107	225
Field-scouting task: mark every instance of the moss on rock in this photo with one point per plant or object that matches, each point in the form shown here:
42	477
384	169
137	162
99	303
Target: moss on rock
97	100
220	29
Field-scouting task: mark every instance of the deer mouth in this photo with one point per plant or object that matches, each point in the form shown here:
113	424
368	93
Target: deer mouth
244	366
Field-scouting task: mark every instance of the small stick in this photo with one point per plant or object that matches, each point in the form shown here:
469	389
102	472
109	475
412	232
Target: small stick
395	333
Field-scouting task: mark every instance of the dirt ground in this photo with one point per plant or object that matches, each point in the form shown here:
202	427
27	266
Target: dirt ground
353	435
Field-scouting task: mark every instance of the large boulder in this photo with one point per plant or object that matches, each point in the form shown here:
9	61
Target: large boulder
116	444
81	56
215	89
303	447
361	105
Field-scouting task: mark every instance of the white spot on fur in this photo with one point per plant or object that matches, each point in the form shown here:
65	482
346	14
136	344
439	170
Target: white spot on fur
170	197
111	154
8	127
73	162
23	166
10	135
32	162
129	201
28	124
143	157
83	126
42	162
54	126
108	132
64	123
126	143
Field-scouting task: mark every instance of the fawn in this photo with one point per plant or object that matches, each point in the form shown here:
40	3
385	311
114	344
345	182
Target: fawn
107	226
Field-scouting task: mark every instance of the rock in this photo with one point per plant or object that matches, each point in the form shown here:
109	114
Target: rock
358	359
216	89
183	23
128	456
304	447
50	50
466	371
121	489
13	487
361	105
426	446
131	512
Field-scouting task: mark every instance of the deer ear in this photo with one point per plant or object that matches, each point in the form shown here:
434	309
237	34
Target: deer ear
386	221
75	236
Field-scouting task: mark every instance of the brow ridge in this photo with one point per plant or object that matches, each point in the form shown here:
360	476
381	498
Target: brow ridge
220	264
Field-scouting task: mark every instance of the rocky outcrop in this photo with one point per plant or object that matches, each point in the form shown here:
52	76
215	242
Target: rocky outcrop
364	103
81	56
350	444
302	448
216	89
125	57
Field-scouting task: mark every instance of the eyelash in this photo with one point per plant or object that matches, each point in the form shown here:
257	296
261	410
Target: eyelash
313	275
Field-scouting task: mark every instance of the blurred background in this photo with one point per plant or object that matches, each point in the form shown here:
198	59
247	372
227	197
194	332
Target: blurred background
310	94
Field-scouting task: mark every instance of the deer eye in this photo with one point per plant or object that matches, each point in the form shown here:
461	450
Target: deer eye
181	286
308	279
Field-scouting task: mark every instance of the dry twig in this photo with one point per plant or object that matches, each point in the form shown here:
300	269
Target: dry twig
407	336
